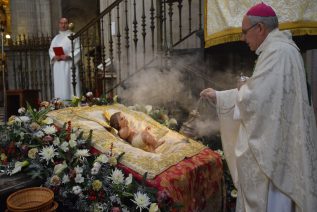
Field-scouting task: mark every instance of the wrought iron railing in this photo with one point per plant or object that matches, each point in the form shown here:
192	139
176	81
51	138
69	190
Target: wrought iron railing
28	65
145	32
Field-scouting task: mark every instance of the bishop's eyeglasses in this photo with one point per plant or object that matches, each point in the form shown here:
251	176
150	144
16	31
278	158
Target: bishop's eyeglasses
245	31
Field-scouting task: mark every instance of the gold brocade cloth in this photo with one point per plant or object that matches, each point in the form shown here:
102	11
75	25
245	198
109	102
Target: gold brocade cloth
223	18
176	146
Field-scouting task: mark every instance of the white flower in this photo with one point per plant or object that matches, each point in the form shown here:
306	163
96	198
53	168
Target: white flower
56	141
74	98
154	208
48	120
117	176
141	200
38	134
21	110
148	108
79	178
24	118
172	122
72	143
64	146
78	170
18	166
76	190
94	171
89	94
73	136
128	180
59	168
48	153
22	135
82	153
220	152
97	165
115	198
102	159
234	193
49	130
65	179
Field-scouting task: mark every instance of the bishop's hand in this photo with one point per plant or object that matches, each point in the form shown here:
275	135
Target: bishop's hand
209	93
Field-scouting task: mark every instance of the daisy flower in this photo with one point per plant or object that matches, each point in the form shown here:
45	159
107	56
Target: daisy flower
48	153
141	200
49	130
117	176
82	153
102	158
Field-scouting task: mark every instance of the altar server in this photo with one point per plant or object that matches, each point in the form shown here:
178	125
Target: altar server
61	59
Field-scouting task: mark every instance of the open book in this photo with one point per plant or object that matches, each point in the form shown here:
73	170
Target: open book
58	51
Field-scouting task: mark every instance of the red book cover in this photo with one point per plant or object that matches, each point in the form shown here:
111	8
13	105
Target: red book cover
58	51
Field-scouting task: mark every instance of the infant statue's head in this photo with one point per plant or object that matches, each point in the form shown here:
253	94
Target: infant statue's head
118	121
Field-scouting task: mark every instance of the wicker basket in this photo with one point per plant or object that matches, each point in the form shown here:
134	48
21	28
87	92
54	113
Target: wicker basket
54	207
38	199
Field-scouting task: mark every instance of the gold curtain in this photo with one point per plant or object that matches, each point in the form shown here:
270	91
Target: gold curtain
223	18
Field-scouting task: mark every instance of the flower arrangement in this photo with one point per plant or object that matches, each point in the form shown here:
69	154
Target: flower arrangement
158	114
90	99
63	157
